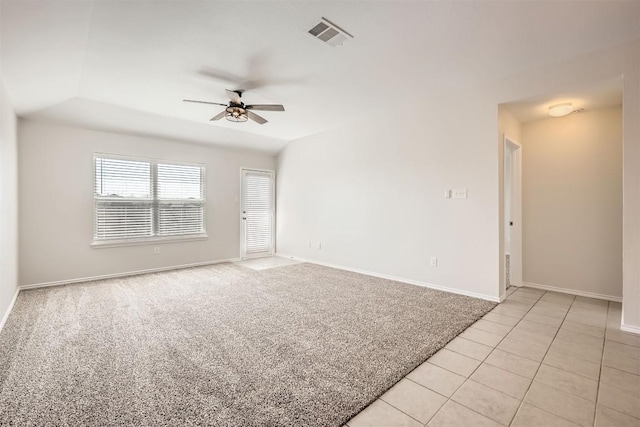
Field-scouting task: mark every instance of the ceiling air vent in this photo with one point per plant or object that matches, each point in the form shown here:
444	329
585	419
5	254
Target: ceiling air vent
329	33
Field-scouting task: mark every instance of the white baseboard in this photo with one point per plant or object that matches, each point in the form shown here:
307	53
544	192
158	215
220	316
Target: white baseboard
395	278
6	314
573	292
129	273
632	329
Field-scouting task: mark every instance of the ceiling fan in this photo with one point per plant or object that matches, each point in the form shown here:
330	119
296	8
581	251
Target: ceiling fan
237	111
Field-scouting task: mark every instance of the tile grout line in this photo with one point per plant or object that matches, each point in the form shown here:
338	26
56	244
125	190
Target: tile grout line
542	360
439	394
469	377
602	365
604	343
400	410
541	363
472	358
494	348
456	390
421	385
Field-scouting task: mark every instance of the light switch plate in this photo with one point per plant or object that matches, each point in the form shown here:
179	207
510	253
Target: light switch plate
459	193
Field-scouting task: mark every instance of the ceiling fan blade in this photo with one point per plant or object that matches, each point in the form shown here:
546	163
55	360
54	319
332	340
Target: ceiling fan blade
218	74
256	118
265	107
234	96
204	102
218	116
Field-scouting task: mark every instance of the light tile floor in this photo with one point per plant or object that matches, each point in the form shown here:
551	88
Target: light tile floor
537	359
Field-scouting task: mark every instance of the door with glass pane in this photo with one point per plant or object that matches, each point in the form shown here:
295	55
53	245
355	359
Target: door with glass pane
257	209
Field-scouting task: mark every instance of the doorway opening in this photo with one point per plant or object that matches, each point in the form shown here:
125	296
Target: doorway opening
512	214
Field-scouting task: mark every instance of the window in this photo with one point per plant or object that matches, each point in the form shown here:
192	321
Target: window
141	199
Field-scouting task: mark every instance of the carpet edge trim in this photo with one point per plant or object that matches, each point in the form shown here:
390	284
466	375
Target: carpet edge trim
129	273
396	279
572	292
11	304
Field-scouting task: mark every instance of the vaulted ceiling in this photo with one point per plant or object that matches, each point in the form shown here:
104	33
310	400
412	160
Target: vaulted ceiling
127	65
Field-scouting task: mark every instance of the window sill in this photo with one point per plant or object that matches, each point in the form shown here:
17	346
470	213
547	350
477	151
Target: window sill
147	241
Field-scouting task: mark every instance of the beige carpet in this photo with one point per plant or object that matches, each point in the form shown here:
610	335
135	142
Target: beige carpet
300	345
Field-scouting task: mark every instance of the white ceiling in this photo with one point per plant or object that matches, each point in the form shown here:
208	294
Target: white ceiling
127	65
604	95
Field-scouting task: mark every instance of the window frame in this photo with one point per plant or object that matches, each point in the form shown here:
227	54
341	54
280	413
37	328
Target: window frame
154	201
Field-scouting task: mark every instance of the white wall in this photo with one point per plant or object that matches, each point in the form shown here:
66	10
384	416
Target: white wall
572	202
373	193
56	203
8	203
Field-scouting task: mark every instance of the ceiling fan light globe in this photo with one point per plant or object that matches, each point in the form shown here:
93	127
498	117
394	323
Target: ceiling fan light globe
237	118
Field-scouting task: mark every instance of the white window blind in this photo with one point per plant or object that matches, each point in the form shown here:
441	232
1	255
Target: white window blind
123	178
123	220
258	211
180	200
144	199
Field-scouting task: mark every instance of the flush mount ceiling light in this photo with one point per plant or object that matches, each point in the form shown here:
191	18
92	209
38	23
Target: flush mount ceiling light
560	110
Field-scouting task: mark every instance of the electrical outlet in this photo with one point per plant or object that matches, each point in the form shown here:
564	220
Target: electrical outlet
156	250
319	245
309	243
434	261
